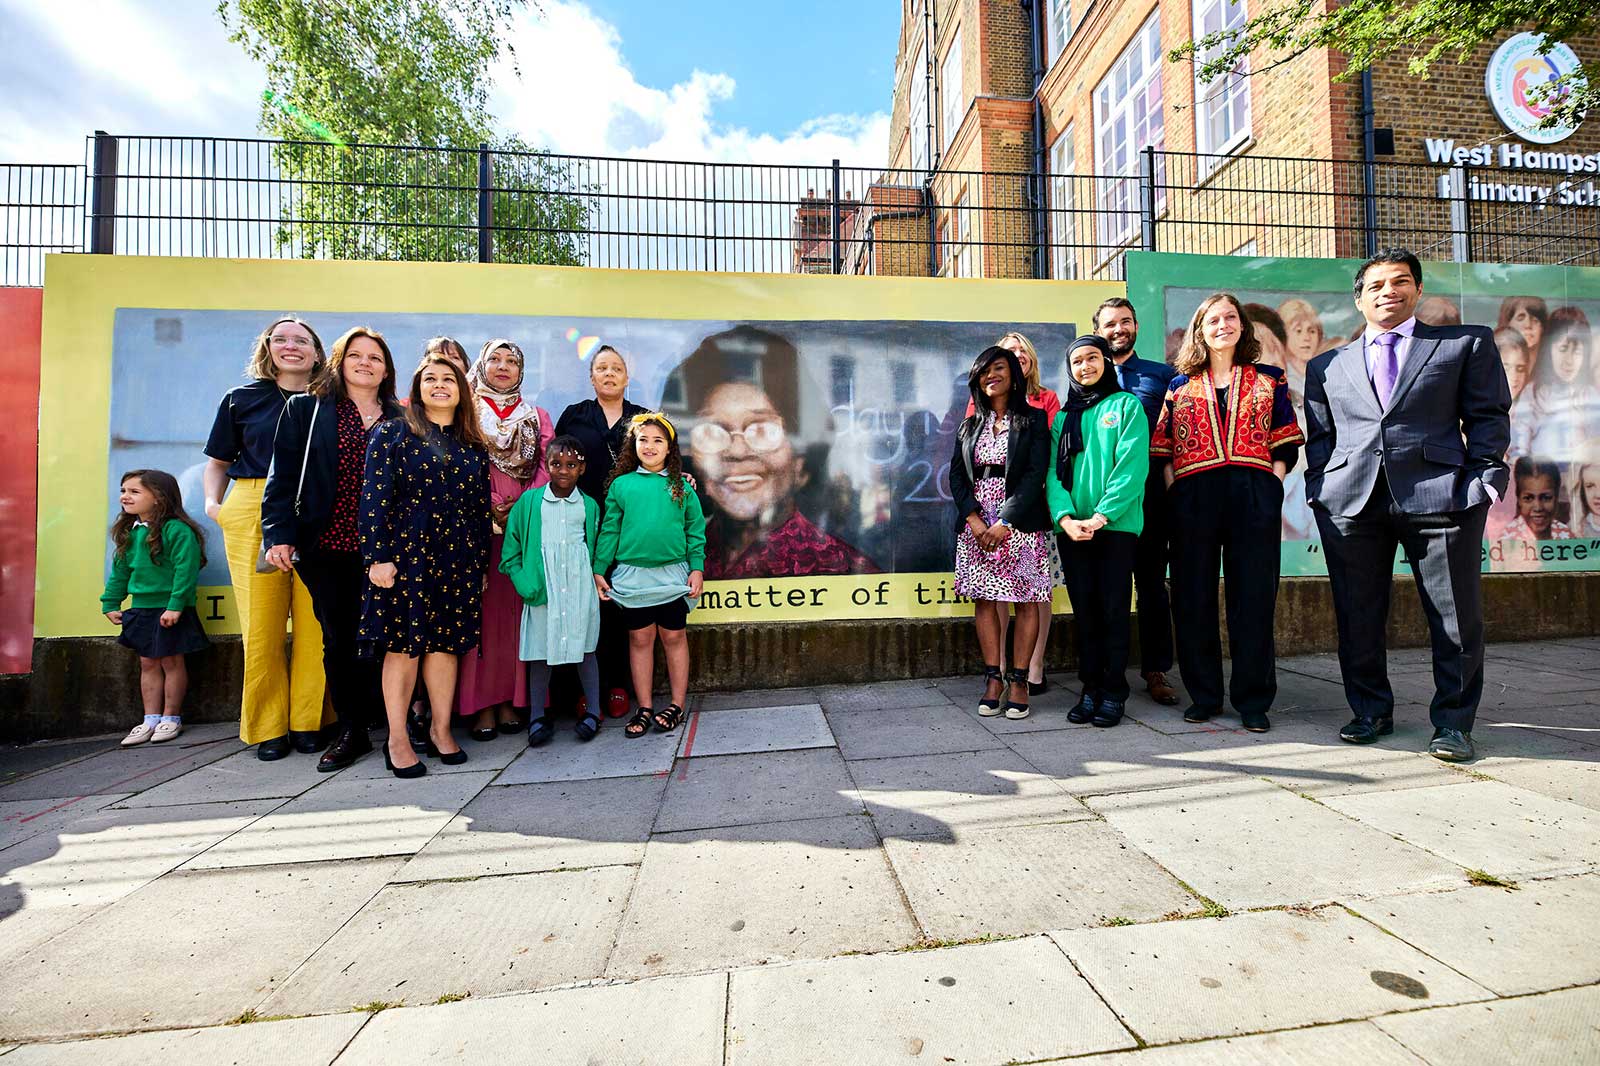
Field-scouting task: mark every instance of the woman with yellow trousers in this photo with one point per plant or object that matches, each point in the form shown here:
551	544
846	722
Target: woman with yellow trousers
282	705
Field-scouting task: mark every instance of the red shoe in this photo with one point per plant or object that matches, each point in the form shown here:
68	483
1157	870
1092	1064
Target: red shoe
617	703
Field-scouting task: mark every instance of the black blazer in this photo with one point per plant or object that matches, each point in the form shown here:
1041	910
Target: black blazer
1027	460
279	522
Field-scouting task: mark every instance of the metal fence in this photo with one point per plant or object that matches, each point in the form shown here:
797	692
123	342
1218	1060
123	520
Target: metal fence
290	199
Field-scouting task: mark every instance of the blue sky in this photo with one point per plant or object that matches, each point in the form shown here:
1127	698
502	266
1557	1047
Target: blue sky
714	80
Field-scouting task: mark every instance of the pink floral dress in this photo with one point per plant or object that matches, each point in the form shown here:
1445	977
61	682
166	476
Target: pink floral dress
1019	570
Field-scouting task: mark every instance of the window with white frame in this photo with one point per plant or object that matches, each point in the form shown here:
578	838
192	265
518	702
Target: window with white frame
919	110
1222	108
960	257
952	92
1063	204
1057	29
1128	118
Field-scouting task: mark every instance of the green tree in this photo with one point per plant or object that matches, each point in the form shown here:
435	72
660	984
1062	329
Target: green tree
380	107
1422	31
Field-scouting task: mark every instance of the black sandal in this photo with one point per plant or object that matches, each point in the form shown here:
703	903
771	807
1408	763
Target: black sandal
986	707
539	731
587	726
639	724
668	720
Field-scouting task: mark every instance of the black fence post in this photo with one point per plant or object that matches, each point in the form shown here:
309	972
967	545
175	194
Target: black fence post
838	249
103	195
1466	214
485	206
1147	199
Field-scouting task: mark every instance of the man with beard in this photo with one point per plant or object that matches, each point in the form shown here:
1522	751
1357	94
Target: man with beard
1115	321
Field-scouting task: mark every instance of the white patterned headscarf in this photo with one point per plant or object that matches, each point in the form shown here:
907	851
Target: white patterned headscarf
513	440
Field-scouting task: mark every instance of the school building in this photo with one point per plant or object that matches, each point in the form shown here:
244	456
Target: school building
1042	138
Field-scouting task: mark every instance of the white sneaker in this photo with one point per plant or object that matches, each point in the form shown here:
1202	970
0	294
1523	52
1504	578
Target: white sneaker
166	731
138	735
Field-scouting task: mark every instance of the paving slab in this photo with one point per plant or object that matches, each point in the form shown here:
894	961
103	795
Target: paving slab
1030	879
768	697
240	776
1252	972
611	754
21	819
1577	722
482	756
1129	758
1555	1029
191	930
981	1003
1251	844
101	857
866	697
1487	825
1542	762
760	893
123	770
563	825
939	796
350	819
415	943
736	732
22	931
677	1021
1326	1045
291	1042
1310	759
20	760
895	731
746	789
1532	939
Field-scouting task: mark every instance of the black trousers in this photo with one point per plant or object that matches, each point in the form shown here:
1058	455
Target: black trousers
337	582
1444	551
1150	578
1099	575
1227	523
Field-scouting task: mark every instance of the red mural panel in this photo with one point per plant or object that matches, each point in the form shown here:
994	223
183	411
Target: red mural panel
20	316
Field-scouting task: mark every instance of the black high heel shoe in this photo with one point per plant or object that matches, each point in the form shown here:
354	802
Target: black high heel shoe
453	758
1012	709
416	769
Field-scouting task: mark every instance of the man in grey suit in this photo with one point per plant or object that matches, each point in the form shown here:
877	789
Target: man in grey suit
1406	434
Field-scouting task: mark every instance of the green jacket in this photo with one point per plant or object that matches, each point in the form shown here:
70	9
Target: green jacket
644	527
1108	476
167	585
522	554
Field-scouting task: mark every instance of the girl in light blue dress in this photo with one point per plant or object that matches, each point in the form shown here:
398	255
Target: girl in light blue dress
548	555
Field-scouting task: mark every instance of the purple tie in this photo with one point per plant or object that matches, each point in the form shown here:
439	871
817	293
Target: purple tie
1385	368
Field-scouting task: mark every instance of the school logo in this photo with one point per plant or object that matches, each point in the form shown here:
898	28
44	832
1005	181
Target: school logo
1110	419
1517	69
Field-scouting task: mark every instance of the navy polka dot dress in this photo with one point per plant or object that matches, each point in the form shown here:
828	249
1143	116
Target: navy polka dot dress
424	508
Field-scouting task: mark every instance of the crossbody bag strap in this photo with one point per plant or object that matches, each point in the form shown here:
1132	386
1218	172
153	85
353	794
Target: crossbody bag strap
305	460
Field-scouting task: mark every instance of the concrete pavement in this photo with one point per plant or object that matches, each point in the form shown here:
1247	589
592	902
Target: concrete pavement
861	874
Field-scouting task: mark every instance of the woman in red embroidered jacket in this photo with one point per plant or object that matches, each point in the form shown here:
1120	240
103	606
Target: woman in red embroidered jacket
1228	437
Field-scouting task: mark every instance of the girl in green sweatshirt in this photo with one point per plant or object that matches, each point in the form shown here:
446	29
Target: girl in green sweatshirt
1095	489
650	559
157	556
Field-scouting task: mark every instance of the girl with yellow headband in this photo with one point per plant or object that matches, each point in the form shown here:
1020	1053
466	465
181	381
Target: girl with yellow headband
650	560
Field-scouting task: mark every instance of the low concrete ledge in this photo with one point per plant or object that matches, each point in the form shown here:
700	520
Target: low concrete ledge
81	686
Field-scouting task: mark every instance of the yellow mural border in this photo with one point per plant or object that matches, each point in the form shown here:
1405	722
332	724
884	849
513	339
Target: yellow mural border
83	292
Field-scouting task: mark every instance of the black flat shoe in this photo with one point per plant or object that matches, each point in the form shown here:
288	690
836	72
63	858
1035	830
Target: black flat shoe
308	743
272	750
1107	713
350	746
539	731
1083	710
1038	688
512	728
1254	721
1366	730
1197	714
416	769
484	734
587	727
1451	745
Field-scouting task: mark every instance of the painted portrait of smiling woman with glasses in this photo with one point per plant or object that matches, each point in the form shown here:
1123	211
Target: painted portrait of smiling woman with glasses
742	388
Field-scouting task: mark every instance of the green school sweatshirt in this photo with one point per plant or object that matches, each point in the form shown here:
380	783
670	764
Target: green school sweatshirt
1108	475
522	555
644	527
167	585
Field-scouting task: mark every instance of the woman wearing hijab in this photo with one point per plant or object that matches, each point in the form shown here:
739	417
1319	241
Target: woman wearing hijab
515	433
1003	527
1095	489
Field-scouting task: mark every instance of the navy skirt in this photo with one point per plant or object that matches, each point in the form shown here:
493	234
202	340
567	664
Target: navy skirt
143	632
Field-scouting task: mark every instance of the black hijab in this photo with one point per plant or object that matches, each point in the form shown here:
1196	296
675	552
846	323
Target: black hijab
1016	402
1081	398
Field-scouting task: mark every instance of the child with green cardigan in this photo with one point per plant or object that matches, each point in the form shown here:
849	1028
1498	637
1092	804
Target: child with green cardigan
1095	489
548	555
651	560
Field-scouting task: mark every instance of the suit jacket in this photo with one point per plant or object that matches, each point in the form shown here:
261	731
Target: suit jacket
304	416
1027	459
1439	443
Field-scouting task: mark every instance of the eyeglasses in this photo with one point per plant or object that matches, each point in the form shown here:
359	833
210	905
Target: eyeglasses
711	438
